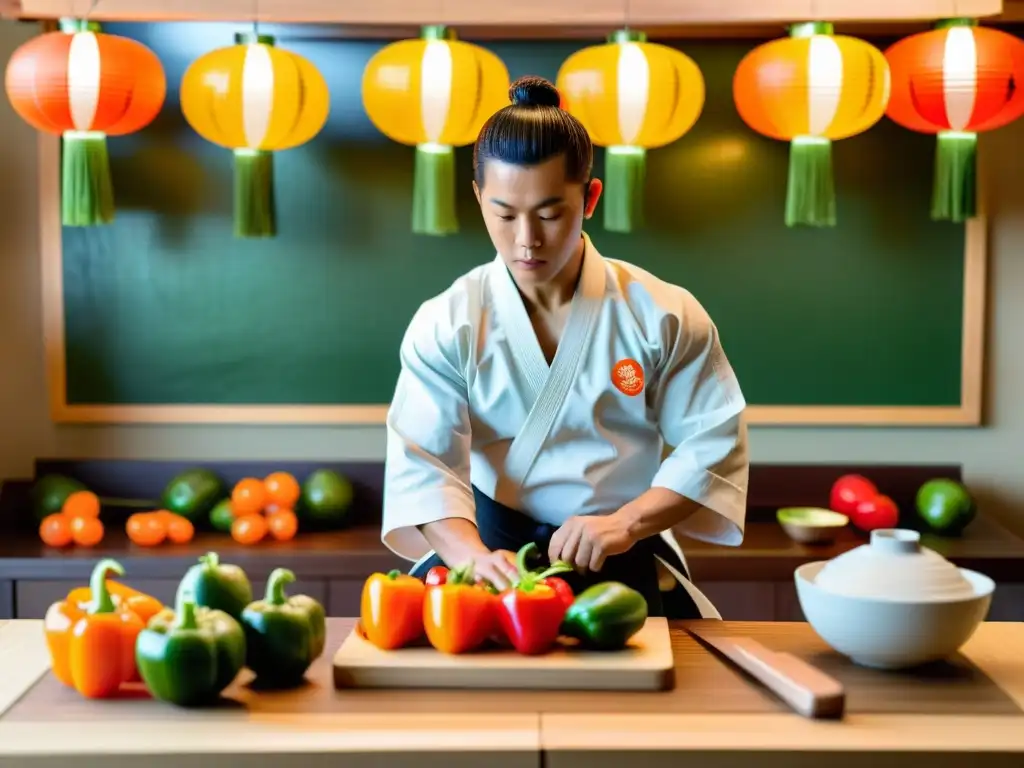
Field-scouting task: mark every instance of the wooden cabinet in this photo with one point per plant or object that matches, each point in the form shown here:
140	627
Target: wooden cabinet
735	600
33	596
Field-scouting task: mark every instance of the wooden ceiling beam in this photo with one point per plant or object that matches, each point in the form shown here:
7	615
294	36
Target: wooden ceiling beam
503	16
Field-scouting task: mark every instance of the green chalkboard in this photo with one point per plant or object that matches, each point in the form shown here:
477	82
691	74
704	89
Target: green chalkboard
166	307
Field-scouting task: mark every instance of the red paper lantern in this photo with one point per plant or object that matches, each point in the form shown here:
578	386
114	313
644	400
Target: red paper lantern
85	85
956	81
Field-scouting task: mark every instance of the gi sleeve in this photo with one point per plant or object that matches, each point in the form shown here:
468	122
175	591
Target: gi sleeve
426	469
700	414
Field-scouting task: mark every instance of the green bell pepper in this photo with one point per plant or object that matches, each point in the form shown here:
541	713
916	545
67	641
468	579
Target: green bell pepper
284	635
605	616
212	584
190	656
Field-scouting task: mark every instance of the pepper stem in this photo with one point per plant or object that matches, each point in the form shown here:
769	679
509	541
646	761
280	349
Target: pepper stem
527	578
279	577
186	618
394	574
101	601
464	574
211	560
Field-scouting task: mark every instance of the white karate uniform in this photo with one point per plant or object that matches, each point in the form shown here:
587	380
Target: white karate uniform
476	403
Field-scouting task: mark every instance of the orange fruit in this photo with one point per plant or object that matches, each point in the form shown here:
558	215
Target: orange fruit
86	531
55	530
81	504
283	525
146	529
282	489
249	529
248	497
180	530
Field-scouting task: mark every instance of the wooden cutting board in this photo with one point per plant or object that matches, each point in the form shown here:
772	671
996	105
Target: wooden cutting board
646	664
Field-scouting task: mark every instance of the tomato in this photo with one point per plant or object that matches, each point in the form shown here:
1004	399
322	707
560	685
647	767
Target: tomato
848	491
436	576
877	512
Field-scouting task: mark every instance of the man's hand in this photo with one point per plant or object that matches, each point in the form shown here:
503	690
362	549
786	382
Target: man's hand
586	540
497	567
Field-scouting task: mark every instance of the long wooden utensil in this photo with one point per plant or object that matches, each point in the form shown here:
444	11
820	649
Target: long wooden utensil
806	689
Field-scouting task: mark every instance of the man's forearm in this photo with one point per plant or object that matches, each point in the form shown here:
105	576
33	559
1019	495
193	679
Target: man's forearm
454	539
656	510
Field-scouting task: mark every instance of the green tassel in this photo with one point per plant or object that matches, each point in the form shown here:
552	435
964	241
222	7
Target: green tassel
954	190
810	192
87	192
254	193
624	170
433	198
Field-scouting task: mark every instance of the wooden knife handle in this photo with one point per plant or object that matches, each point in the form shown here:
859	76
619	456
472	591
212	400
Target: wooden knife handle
808	690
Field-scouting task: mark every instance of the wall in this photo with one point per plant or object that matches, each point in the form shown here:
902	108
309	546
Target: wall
991	456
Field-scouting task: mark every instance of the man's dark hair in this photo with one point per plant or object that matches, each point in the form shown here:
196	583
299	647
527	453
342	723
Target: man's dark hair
533	129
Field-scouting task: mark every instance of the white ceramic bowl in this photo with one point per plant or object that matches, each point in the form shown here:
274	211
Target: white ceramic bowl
893	604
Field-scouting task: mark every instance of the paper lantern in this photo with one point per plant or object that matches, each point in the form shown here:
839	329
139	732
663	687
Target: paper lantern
84	85
254	99
956	81
631	95
434	93
811	89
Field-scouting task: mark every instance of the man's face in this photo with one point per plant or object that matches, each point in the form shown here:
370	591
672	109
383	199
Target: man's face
534	215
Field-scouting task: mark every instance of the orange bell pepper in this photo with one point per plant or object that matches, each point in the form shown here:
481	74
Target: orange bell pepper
142	605
459	615
391	609
92	645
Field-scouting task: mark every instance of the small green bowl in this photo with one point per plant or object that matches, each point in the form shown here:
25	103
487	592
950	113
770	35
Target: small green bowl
811	525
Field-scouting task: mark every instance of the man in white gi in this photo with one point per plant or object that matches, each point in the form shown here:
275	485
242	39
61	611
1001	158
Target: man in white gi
556	396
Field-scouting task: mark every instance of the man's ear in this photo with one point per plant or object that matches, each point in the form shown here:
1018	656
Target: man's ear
593	195
476	191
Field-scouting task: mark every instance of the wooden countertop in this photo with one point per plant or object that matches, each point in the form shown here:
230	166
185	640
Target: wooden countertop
767	554
971	710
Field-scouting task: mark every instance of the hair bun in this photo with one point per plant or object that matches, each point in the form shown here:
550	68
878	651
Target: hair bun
532	91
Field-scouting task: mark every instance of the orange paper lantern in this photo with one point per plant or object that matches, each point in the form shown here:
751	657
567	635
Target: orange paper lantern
810	89
956	81
85	85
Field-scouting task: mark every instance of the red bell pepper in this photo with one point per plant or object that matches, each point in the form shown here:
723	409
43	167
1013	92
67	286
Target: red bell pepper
436	576
531	611
561	586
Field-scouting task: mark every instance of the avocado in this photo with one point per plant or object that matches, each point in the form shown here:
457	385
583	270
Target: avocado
49	493
326	499
945	506
193	493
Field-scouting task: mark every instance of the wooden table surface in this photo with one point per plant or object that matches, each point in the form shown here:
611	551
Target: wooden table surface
969	712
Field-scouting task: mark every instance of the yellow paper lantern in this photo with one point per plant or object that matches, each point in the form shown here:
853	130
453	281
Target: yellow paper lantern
631	96
434	93
255	99
810	89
